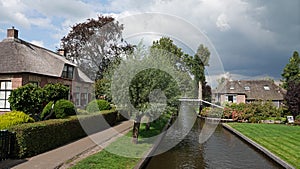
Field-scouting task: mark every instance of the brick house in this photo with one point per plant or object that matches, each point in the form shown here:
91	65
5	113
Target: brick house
22	62
247	91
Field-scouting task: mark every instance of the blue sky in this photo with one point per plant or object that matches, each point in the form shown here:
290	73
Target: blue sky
254	38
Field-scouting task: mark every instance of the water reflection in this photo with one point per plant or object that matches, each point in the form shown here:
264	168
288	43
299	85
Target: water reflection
222	150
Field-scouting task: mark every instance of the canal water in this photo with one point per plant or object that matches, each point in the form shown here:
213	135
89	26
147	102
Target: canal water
222	150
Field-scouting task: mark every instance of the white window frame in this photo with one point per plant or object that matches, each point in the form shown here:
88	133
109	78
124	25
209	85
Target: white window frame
234	98
5	91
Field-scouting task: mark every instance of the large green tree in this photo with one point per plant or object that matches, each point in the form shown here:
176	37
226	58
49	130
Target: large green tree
291	82
292	97
146	83
148	90
95	44
182	61
291	71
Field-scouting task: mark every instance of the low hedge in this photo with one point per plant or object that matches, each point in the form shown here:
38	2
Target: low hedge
39	137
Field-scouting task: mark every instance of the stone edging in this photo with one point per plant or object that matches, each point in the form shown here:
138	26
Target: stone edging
259	147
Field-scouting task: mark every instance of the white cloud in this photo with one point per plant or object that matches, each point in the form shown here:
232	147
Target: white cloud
21	19
222	23
62	8
38	43
255	29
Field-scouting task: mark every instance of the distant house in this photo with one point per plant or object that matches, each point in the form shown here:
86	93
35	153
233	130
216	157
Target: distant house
22	62
247	91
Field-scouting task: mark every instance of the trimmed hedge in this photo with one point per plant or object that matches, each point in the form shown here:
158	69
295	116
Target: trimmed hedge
13	118
46	111
39	137
62	108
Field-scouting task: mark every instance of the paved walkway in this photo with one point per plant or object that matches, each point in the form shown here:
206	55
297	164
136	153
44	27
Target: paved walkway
55	158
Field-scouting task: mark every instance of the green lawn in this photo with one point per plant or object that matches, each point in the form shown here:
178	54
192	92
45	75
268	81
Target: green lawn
282	140
108	159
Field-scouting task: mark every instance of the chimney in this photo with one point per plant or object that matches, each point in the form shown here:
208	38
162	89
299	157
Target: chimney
12	33
61	52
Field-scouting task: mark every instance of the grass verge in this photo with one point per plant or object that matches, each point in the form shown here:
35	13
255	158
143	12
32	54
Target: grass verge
282	140
118	155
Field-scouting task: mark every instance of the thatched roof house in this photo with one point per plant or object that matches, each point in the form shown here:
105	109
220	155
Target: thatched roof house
22	62
243	91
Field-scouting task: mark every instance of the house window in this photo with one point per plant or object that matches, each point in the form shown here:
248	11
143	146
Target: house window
68	72
247	88
230	98
77	96
5	90
84	97
266	87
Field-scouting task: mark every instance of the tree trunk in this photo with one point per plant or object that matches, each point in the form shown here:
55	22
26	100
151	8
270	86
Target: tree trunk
136	129
148	125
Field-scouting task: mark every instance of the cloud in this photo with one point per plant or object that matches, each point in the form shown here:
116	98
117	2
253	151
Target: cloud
38	43
251	37
222	23
61	8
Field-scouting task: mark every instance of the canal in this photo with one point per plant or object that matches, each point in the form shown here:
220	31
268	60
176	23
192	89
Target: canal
221	150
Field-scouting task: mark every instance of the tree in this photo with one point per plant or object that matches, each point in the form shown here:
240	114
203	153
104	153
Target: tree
292	97
142	98
95	44
196	66
204	54
291	82
102	89
150	77
167	44
291	72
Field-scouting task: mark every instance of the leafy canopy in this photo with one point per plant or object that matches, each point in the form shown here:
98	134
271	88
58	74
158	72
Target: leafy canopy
291	71
95	44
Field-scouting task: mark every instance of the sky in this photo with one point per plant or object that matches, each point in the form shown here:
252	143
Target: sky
254	39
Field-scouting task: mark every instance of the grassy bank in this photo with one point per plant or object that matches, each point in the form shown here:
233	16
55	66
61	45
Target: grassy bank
114	156
282	140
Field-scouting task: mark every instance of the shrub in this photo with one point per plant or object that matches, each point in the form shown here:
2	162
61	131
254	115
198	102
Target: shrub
63	108
28	98
253	112
39	137
13	118
47	110
98	105
297	118
55	92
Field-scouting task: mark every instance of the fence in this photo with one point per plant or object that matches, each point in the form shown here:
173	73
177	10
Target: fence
7	142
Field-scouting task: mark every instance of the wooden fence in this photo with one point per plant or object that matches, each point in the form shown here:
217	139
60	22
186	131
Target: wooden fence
7	144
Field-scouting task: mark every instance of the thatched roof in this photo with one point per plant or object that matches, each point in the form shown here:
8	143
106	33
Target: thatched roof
18	56
253	89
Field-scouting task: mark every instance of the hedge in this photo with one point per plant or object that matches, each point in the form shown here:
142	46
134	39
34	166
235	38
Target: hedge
39	137
13	118
98	105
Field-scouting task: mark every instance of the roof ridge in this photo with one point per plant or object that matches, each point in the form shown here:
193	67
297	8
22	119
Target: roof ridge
21	41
